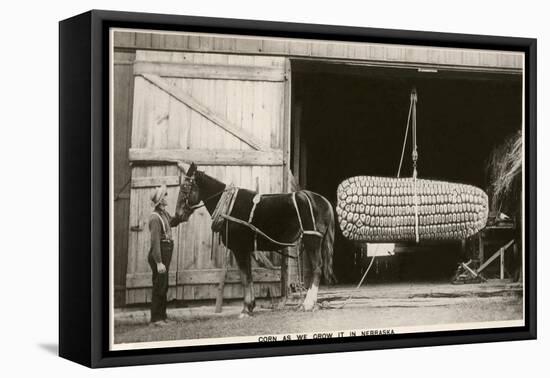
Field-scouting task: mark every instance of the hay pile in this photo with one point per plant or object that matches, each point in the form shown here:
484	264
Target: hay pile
504	169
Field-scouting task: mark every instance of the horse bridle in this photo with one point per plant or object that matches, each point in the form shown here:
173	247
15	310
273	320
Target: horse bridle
187	187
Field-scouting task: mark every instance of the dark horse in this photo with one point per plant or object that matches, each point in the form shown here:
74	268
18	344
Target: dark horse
277	221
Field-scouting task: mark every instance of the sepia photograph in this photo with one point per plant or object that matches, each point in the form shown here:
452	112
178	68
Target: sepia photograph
267	190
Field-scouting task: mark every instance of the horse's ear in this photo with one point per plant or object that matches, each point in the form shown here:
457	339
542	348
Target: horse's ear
184	167
192	169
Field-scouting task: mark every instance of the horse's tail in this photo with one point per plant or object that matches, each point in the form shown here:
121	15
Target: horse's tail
327	247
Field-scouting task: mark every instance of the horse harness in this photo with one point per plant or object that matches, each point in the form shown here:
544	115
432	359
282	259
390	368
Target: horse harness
225	206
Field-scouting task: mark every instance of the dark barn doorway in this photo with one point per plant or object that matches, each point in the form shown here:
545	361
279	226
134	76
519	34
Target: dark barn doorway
350	120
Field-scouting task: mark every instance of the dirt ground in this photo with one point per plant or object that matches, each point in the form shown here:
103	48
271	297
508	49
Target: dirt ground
380	306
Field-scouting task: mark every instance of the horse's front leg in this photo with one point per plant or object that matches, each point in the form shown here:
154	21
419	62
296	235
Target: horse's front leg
312	249
245	267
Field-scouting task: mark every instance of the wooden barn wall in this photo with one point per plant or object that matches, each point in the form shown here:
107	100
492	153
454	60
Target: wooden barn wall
166	128
371	52
123	105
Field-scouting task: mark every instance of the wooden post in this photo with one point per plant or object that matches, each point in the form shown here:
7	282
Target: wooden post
300	147
515	260
481	252
502	264
286	162
303	164
221	284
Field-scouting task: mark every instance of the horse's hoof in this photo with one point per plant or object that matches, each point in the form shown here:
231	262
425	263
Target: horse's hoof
309	306
244	315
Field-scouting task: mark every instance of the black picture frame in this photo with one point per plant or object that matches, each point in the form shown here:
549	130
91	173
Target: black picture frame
84	189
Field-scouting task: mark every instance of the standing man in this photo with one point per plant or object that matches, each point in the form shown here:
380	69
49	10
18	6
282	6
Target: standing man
160	253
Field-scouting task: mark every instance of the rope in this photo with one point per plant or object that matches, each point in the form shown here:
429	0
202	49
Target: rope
311	212
405	139
416	209
224	206
261	233
298	212
355	290
414	99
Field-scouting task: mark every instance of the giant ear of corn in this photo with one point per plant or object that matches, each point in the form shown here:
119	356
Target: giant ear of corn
377	209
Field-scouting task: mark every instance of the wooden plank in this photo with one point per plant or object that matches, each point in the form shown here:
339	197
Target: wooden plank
261	125
210	71
472	272
249	97
136	222
225	44
208	157
234	111
296	129
286	127
129	296
144	279
286	169
494	256
199	107
139	112
144	39
220	99
208	276
175	42
337	50
159	129
124	58
461	58
144	237
124	39
151	182
277	116
248	45
221	284
123	87
501	264
489	260
202	126
275	46
300	48
203	277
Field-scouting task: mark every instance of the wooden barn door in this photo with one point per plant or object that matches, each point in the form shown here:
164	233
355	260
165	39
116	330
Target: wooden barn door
227	114
122	102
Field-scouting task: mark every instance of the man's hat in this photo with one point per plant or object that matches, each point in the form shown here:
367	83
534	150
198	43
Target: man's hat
158	194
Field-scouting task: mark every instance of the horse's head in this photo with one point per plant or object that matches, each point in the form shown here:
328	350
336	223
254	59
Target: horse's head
189	195
197	190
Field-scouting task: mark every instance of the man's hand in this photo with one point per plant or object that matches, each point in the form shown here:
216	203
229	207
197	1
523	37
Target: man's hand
161	268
